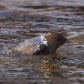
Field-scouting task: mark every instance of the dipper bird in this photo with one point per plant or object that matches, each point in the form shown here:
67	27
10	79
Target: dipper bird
44	44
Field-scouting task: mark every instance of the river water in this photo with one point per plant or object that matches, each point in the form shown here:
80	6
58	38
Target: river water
26	19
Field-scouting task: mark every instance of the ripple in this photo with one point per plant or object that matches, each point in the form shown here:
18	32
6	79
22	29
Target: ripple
25	19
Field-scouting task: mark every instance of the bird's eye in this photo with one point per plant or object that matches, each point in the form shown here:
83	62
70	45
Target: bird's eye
59	38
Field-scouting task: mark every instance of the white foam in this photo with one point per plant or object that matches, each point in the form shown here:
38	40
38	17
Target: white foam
30	46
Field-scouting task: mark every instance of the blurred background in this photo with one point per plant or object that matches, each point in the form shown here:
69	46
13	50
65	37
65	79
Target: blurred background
26	19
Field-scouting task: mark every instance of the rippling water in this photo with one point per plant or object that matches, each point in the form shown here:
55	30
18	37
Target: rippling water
25	19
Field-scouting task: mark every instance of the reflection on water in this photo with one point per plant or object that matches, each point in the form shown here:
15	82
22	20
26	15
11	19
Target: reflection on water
26	19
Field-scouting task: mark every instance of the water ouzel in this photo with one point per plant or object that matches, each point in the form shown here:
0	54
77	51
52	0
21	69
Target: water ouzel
44	44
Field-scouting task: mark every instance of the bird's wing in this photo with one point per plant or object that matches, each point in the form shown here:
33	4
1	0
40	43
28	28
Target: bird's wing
41	48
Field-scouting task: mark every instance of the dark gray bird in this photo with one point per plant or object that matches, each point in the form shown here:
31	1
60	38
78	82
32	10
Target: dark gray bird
44	44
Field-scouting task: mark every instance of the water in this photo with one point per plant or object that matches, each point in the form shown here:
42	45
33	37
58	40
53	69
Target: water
25	19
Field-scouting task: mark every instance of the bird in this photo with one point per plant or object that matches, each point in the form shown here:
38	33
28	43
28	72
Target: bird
43	44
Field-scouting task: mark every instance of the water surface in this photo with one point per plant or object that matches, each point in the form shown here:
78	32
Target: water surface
26	19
